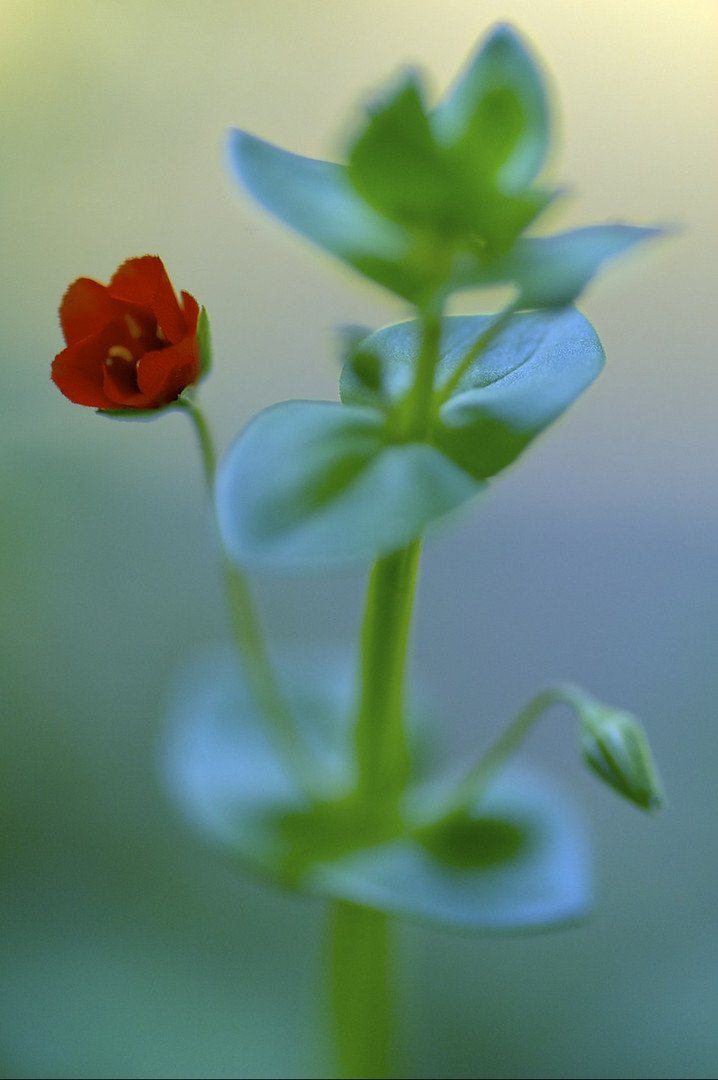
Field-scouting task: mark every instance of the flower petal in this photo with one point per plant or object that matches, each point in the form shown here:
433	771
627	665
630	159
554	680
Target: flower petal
78	373
119	381
191	312
86	307
164	374
144	281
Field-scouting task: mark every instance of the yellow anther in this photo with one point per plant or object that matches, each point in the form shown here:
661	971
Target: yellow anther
161	336
133	326
119	352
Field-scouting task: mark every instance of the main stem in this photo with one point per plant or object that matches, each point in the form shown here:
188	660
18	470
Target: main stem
361	992
381	748
361	960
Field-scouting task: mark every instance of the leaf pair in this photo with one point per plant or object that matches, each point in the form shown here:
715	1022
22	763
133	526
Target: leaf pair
432	201
514	860
463	171
317	485
428	199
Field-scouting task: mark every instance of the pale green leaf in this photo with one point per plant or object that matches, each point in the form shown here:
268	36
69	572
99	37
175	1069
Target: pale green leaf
516	386
518	862
496	113
315	486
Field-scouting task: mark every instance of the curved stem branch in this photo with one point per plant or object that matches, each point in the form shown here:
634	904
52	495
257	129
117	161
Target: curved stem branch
204	438
249	637
475	780
482	342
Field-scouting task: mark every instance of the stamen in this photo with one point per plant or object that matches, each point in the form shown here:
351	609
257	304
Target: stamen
161	334
133	326
119	352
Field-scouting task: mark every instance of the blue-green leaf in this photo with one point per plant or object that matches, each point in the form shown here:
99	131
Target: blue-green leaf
313	197
515	861
399	169
552	271
520	382
317	200
518	861
221	764
493	127
496	114
435	201
316	486
449	197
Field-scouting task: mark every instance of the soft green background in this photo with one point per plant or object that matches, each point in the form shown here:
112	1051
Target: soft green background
129	950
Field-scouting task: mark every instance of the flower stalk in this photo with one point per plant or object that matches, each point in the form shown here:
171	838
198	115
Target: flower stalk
253	651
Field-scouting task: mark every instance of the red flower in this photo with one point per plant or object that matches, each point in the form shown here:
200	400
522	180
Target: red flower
130	344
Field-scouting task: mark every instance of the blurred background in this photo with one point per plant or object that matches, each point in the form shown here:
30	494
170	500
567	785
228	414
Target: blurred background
129	948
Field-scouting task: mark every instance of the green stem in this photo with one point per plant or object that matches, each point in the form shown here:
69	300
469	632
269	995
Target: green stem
382	754
417	407
361	994
482	342
262	681
249	637
475	780
204	438
363	1021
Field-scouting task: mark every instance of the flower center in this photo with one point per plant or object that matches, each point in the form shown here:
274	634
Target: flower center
121	353
148	332
128	342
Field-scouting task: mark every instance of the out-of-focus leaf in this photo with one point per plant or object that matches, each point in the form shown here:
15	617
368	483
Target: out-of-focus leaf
552	271
398	168
433	202
462	173
316	486
496	114
494	126
516	861
219	759
428	199
518	385
317	200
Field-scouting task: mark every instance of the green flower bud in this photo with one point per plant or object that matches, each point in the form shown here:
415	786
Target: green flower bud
615	746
